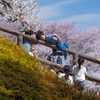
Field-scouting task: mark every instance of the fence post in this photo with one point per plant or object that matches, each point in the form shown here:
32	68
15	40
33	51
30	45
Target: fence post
75	58
20	40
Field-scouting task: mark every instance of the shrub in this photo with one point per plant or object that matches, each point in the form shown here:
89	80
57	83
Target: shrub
22	79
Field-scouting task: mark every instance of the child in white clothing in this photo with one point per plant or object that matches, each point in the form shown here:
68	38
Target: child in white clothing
79	74
65	75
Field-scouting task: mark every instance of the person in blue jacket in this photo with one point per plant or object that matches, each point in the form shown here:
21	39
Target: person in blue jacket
53	38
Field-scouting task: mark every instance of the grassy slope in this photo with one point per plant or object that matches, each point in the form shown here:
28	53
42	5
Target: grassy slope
22	79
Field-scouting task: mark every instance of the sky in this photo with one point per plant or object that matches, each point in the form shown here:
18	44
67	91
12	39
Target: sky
85	13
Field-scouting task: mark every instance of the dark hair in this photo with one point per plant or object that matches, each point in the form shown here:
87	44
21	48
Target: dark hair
80	62
39	34
66	70
29	32
61	71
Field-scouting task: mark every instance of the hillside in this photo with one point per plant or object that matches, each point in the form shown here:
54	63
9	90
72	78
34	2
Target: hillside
23	78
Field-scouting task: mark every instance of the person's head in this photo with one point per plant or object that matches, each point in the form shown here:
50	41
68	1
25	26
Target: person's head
66	70
32	48
80	62
30	32
40	35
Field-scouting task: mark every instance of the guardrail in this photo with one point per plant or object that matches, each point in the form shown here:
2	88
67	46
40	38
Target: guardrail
75	54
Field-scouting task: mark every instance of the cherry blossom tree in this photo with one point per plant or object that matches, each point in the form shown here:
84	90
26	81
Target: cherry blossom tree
21	11
18	14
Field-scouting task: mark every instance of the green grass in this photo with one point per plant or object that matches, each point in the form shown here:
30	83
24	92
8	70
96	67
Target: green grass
21	78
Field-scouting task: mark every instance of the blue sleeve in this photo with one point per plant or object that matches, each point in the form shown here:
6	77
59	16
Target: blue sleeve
50	36
22	30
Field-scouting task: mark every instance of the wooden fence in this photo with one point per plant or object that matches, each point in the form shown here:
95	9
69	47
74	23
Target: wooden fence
21	36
